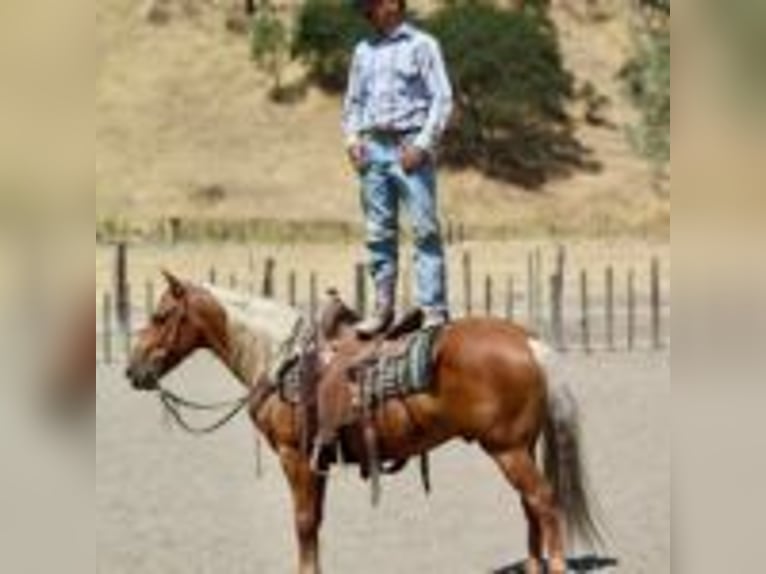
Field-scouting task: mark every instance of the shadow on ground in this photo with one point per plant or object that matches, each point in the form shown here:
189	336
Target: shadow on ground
583	564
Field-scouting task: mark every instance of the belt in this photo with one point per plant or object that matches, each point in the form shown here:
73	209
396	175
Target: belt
389	135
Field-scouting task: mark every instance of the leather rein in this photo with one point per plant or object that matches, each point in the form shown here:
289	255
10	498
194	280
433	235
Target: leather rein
174	404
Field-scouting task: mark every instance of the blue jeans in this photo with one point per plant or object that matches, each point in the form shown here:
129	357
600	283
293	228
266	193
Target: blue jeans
385	186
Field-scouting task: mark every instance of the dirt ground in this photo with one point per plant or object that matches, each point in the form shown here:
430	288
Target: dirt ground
171	504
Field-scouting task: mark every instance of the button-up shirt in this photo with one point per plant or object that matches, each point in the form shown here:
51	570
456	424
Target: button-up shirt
399	82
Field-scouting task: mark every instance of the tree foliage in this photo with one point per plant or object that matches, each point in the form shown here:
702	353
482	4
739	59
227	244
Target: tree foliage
648	81
325	36
269	43
511	89
510	82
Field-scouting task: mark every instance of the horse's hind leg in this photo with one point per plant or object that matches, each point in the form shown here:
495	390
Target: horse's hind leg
535	541
544	519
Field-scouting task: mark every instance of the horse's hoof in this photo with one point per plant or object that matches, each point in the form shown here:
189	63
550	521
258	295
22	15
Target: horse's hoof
533	567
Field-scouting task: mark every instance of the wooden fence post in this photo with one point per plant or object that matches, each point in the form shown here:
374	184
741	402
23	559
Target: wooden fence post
631	310
292	289
175	230
610	305
558	297
106	333
268	288
122	297
557	311
468	284
656	304
489	299
585	319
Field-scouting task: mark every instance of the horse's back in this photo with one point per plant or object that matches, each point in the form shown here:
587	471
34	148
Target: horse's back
491	348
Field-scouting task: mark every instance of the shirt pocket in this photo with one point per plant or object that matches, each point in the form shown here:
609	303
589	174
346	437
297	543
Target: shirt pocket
408	79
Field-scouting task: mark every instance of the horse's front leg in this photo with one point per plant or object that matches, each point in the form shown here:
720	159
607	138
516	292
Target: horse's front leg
308	490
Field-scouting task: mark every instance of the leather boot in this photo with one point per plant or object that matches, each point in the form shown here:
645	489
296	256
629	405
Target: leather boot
377	323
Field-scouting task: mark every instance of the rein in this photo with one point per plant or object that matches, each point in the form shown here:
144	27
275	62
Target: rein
174	406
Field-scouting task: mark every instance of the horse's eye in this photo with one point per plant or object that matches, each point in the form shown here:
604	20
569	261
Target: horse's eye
159	318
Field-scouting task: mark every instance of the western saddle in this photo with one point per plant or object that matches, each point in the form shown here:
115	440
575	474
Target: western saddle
339	392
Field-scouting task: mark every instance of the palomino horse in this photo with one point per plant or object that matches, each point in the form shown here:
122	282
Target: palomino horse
490	388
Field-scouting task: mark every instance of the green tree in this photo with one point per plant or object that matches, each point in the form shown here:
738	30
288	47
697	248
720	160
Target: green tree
511	90
269	44
325	36
511	85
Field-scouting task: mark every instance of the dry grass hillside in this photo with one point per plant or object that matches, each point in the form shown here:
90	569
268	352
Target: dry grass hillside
185	129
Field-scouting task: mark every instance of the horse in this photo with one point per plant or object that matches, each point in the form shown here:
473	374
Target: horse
490	387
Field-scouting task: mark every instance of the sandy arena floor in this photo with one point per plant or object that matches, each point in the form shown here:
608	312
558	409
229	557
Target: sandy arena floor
171	504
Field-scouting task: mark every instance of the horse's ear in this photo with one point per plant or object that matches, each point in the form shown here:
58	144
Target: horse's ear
176	286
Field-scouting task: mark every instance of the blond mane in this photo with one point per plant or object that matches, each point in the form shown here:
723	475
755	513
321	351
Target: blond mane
259	329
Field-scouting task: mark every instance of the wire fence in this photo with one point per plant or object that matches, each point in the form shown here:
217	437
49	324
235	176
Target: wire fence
599	307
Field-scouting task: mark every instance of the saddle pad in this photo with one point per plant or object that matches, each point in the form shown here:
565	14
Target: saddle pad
382	376
406	373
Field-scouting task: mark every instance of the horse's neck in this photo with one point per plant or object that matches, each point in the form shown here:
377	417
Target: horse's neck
257	330
249	352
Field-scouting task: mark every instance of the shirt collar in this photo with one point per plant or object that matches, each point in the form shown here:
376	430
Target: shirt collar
402	31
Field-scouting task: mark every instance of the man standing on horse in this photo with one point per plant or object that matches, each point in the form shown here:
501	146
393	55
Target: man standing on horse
398	105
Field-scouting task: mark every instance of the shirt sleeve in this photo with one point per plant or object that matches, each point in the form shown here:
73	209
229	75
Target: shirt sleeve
354	101
440	90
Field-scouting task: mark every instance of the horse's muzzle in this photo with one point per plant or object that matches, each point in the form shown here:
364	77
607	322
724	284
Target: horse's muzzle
143	377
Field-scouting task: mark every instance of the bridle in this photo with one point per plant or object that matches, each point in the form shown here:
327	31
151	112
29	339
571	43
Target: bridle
174	404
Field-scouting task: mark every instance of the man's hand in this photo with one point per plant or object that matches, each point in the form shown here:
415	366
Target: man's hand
357	155
412	158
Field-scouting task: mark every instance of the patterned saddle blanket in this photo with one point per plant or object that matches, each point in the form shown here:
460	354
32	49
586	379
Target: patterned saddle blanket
397	369
394	369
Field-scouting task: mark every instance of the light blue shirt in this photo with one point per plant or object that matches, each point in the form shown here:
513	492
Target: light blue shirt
399	82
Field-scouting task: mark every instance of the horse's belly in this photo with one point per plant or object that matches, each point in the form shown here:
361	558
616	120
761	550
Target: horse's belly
408	428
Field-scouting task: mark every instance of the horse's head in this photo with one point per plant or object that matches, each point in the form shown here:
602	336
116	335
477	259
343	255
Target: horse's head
187	318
